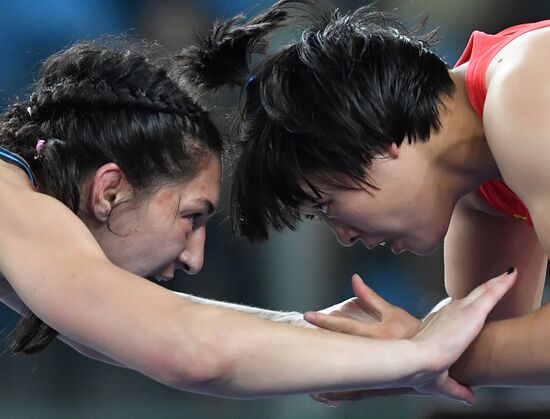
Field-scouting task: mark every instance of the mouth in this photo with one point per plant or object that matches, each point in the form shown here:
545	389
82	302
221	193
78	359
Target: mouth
373	245
162	278
397	247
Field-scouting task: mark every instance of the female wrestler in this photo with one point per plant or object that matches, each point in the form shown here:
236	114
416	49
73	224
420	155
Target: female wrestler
361	124
109	172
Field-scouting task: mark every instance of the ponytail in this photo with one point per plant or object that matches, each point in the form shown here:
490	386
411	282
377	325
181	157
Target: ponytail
326	103
223	57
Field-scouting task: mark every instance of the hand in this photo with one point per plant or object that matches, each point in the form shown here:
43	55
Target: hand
453	327
367	314
445	335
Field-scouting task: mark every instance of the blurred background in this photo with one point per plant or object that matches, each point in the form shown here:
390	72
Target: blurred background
300	271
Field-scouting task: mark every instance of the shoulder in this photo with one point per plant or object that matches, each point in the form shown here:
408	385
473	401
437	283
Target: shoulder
530	50
11	174
37	227
517	123
517	73
516	110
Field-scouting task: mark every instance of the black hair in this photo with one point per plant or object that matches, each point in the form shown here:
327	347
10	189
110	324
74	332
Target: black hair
93	104
325	104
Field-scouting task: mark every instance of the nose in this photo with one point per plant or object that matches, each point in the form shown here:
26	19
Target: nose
192	258
346	236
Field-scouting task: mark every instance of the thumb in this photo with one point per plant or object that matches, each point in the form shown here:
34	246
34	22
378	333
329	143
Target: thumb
454	390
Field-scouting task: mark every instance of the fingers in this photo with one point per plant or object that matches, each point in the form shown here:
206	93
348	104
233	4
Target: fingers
340	324
321	399
368	300
496	290
454	390
488	294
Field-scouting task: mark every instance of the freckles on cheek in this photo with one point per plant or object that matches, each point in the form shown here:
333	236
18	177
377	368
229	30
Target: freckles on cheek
164	198
166	202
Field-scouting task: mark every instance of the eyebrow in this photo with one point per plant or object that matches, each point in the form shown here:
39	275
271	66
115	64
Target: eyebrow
209	206
318	200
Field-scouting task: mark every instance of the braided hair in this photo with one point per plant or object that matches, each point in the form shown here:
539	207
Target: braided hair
94	104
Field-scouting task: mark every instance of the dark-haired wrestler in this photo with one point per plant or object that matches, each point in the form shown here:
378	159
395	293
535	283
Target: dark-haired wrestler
362	124
110	172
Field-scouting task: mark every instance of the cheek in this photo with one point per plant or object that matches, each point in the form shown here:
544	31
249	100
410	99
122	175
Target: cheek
179	232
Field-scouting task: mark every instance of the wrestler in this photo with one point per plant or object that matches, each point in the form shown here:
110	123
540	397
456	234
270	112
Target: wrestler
109	172
362	124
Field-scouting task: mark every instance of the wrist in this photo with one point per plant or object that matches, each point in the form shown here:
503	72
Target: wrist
424	364
438	306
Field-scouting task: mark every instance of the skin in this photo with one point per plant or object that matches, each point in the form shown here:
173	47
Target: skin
173	221
440	203
71	282
415	218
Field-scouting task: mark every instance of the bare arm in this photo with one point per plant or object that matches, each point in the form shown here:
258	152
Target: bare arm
67	281
295	318
14	302
478	244
288	317
516	351
10	299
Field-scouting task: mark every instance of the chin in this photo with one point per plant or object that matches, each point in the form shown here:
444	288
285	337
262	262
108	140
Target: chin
423	252
425	249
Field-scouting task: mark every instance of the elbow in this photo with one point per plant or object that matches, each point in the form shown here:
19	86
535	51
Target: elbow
199	366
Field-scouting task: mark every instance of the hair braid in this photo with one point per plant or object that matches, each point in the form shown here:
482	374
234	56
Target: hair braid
95	104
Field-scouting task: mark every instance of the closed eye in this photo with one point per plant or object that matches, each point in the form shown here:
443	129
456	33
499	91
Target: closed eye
321	207
195	219
314	209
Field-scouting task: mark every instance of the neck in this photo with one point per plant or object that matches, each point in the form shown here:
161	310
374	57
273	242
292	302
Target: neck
460	154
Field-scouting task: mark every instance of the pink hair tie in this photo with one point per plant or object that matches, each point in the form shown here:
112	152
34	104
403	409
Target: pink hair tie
40	145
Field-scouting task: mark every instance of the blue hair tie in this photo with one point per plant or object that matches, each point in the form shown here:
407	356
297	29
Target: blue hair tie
250	79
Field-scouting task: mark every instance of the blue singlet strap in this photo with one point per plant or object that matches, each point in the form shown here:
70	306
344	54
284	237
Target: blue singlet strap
13	158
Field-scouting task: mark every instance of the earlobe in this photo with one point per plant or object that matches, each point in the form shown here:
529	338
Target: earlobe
108	187
392	150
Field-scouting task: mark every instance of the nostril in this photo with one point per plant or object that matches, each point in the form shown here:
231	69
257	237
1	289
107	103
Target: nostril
352	240
186	267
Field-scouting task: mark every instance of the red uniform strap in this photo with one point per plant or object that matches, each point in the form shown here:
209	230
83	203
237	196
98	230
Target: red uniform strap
479	52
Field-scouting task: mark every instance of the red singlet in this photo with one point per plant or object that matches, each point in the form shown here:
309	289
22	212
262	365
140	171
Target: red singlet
479	52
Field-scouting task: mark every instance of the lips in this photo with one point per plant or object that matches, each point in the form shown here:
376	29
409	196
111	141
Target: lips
397	247
373	245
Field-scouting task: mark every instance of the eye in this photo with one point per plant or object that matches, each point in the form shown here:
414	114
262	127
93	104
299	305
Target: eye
315	210
321	207
195	220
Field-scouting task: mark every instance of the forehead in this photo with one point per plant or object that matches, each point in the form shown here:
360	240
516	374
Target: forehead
326	183
206	183
204	186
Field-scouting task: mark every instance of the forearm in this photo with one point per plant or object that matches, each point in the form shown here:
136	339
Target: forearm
266	358
288	317
203	348
513	352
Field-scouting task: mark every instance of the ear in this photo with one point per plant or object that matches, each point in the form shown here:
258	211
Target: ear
391	150
108	187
